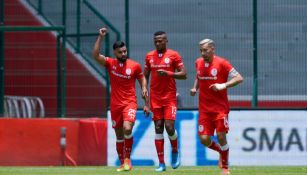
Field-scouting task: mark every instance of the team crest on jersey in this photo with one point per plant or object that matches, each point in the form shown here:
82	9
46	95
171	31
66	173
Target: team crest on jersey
206	64
214	72
128	71
200	128
166	60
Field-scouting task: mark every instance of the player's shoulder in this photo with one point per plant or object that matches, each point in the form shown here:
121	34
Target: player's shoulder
133	62
110	59
150	53
199	60
220	59
173	52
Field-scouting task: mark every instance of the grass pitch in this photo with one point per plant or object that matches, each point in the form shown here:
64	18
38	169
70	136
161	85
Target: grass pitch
184	170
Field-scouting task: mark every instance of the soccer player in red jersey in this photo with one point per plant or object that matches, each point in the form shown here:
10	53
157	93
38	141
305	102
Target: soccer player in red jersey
212	82
164	65
123	73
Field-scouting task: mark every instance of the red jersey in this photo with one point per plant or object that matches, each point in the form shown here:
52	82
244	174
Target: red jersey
122	79
208	73
162	88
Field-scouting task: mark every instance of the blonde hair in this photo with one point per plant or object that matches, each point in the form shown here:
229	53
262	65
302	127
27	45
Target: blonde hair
207	41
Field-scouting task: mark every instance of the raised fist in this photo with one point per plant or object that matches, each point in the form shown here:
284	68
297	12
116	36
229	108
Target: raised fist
103	31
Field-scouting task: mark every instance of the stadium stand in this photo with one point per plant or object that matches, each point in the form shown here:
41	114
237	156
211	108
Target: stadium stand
31	67
281	41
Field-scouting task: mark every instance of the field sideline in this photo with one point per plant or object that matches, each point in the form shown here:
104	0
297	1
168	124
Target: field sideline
142	170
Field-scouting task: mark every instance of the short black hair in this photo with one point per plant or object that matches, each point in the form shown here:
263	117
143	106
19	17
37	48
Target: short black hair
159	33
118	44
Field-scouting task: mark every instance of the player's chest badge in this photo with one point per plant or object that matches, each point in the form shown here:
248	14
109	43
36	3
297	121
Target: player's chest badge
166	60
213	72
206	64
128	71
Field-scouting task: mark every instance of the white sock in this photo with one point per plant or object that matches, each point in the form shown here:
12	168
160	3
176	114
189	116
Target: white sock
128	136
173	137
159	137
225	147
119	141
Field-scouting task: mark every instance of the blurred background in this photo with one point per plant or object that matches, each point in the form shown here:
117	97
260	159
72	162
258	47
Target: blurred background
264	40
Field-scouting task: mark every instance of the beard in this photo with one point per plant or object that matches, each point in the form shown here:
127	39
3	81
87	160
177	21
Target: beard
206	59
122	59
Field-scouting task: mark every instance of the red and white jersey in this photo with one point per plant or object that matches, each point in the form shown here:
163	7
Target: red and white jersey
208	73
122	80
162	88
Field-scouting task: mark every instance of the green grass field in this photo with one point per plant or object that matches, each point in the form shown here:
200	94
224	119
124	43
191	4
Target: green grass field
187	170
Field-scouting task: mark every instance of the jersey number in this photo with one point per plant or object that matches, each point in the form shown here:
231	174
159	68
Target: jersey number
131	113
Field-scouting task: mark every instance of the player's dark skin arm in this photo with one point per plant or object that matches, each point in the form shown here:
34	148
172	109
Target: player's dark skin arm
146	107
181	73
143	86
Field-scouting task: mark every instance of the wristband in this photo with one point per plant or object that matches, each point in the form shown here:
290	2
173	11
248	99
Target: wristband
221	86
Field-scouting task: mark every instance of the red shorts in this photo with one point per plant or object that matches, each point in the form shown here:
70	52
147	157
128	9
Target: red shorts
125	113
209	122
164	113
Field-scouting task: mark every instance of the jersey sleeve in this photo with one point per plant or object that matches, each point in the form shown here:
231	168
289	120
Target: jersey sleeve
138	72
108	62
147	63
196	70
229	69
178	63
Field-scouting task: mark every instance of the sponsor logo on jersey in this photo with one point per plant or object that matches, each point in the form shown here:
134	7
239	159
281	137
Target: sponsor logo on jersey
120	75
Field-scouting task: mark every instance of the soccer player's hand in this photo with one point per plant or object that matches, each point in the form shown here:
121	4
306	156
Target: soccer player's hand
144	93
103	32
162	72
193	91
218	87
146	110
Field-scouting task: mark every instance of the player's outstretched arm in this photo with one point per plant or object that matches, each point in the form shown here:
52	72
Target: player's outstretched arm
101	59
195	87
